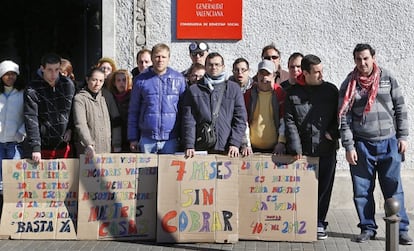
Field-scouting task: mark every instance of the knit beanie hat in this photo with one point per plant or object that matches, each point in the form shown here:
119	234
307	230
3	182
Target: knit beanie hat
8	65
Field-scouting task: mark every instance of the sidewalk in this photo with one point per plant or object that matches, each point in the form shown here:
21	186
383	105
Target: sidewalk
342	228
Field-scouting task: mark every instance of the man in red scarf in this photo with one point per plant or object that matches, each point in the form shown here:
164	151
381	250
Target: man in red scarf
374	130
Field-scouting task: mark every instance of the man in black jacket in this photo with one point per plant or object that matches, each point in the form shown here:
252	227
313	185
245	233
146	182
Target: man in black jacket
47	111
312	128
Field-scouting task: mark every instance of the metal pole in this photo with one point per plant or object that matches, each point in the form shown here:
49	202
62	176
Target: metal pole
392	222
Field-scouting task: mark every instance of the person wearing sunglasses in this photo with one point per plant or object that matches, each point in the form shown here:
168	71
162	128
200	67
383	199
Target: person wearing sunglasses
270	52
198	54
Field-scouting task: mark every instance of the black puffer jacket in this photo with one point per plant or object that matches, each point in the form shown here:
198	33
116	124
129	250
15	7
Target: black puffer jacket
47	112
310	112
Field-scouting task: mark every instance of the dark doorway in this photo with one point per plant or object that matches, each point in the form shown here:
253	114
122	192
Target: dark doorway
69	28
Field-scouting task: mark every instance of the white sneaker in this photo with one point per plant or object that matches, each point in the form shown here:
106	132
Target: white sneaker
321	234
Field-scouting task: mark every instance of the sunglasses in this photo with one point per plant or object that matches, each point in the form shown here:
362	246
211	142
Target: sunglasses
274	57
200	53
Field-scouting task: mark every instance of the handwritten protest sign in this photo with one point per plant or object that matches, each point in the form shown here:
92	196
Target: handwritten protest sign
278	198
40	200
197	199
117	196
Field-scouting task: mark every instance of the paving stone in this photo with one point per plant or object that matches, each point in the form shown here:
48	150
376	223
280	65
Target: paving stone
341	230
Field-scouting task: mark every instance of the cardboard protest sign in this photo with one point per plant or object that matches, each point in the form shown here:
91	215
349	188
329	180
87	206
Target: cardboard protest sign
278	198
197	199
117	196
40	199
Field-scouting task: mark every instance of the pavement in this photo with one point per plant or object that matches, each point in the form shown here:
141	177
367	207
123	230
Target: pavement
341	230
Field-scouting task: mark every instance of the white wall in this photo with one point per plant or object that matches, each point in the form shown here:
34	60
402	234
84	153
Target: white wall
328	29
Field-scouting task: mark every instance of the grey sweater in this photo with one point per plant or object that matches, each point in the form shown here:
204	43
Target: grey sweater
387	117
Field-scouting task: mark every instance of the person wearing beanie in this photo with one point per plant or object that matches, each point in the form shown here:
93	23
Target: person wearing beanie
47	111
12	129
107	65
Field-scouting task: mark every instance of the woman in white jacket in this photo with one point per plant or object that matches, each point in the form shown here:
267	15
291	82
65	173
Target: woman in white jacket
12	129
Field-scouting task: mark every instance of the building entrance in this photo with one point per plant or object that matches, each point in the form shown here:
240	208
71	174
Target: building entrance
72	29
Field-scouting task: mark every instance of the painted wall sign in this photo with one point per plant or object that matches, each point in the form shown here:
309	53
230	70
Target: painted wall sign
209	19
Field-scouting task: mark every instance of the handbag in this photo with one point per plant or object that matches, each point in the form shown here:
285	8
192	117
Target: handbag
206	137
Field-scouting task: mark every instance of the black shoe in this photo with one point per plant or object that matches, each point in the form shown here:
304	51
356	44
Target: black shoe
405	239
365	236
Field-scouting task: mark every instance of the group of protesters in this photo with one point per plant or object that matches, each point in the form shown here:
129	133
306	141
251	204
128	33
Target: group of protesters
156	109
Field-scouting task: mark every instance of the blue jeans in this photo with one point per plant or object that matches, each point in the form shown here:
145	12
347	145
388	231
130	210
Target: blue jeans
148	145
9	150
382	158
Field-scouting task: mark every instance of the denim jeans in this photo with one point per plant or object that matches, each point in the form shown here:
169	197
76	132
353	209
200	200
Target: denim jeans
148	145
9	150
377	158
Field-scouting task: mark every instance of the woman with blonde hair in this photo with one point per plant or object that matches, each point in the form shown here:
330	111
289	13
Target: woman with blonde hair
120	85
107	65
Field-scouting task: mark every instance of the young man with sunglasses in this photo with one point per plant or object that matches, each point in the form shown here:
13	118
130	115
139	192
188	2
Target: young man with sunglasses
198	54
270	52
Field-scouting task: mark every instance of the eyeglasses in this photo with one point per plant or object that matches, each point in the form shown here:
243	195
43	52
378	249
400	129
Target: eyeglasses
214	65
274	57
242	70
200	53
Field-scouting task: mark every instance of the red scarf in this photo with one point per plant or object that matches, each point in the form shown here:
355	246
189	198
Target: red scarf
370	84
120	97
300	79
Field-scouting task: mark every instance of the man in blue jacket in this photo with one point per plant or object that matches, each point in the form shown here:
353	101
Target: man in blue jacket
152	116
199	102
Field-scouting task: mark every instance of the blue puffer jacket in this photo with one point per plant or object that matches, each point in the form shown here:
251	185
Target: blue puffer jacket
153	107
198	102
